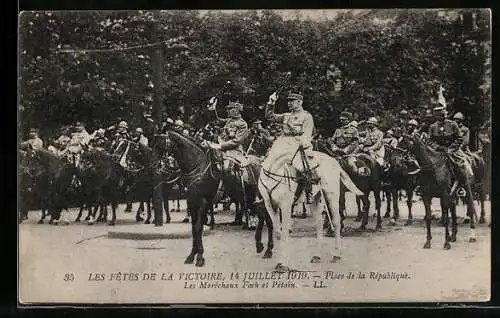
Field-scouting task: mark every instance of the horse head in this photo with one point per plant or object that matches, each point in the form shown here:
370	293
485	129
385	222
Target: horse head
186	152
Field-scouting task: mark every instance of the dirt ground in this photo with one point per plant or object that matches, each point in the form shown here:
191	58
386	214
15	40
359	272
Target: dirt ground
64	263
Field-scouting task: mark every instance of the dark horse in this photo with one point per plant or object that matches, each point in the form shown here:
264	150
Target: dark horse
436	179
397	178
61	186
201	177
104	180
33	184
366	174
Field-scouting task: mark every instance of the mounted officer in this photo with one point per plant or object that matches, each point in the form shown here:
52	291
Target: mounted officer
298	127
261	138
79	138
233	135
99	140
372	143
33	140
464	131
389	139
346	138
445	136
138	137
120	135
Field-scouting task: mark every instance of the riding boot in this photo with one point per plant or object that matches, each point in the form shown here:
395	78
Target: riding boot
308	192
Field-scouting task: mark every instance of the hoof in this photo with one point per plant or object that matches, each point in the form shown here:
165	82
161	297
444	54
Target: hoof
139	219
482	220
268	254
189	259
330	233
259	247
40	222
147	222
427	245
408	222
200	262
378	227
172	210
251	228
316	259
396	217
243	227
186	220
362	228
453	238
87	218
77	220
466	221
168	221
387	215
177	210
447	245
472	240
111	223
392	222
336	259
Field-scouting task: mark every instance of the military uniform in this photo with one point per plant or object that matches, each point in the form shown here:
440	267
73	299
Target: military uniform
346	139
298	127
445	135
372	143
36	143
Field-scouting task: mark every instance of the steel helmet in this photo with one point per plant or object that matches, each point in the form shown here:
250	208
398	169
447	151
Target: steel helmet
170	120
390	132
179	122
353	124
139	130
459	116
123	124
413	122
372	120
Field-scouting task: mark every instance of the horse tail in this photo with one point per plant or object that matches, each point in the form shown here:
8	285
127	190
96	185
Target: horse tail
348	183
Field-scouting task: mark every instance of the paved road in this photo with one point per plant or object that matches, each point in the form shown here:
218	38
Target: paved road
49	252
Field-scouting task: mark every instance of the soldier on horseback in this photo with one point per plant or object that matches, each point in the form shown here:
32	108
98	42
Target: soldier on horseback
261	138
138	137
345	139
464	131
121	134
445	136
298	127
79	138
234	133
33	140
372	143
99	140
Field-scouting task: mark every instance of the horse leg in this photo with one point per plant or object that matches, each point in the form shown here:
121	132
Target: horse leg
165	204
330	199
92	219
428	217
453	211
471	211
365	201
409	203
114	206
82	206
140	209
178	206
395	206
258	231
360	213
378	204
482	198
388	195
89	211
148	210
197	223
445	203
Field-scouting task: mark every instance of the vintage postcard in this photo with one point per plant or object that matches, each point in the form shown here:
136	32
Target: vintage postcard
254	156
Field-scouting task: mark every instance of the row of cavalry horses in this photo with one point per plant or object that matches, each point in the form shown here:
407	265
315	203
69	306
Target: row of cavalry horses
99	181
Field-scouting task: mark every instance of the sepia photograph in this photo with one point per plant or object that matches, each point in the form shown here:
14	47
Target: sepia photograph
185	157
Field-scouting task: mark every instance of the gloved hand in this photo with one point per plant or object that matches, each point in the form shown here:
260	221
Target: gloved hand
272	99
212	103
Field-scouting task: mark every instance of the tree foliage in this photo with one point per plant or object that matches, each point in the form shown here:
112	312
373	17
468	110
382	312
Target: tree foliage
385	60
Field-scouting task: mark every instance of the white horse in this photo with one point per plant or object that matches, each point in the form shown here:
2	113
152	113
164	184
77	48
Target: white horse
277	185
